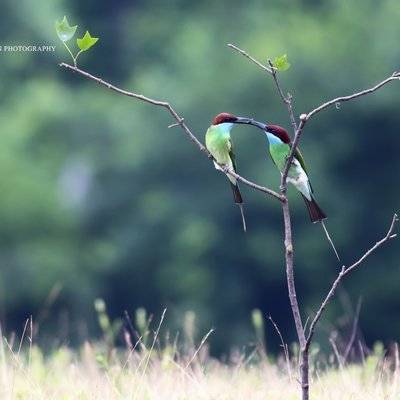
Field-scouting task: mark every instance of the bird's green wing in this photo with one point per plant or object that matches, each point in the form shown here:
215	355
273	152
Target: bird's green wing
300	159
232	155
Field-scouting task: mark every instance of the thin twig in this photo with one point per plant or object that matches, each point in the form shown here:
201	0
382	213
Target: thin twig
284	346
394	77
273	72
176	124
390	235
180	122
345	271
229	171
286	99
142	98
252	59
277	84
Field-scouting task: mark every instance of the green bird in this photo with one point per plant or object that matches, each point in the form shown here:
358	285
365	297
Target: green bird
219	144
279	150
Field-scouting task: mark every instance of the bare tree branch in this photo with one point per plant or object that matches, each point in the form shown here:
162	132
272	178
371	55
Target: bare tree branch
389	235
394	77
290	274
180	122
305	117
251	184
345	271
140	97
284	346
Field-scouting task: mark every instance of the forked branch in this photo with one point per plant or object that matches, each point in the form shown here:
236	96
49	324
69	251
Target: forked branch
346	271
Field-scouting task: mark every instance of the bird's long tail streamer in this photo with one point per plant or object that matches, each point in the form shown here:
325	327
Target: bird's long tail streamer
243	218
329	239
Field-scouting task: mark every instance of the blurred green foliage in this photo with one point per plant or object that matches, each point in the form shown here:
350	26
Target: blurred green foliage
99	196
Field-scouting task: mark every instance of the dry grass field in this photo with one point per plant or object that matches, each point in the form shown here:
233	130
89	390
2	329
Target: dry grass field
152	373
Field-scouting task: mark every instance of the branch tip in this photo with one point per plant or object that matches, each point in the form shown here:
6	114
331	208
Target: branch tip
179	123
273	68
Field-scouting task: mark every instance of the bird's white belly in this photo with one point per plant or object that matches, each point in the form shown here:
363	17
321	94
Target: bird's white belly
299	179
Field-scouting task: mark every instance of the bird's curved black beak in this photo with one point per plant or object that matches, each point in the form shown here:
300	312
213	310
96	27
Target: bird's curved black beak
250	121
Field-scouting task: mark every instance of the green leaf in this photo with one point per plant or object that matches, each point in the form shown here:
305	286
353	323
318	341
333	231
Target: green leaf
281	63
64	31
86	42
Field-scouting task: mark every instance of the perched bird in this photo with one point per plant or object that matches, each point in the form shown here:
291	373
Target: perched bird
219	144
279	150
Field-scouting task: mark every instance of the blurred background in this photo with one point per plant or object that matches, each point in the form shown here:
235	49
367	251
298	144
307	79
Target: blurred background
98	199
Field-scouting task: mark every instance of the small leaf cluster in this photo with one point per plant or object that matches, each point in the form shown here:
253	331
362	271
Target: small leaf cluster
281	63
66	32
